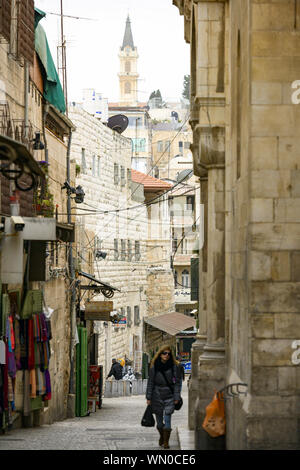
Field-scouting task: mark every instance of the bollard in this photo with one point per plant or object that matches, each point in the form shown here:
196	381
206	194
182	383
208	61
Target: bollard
134	387
107	390
115	388
120	388
127	388
140	386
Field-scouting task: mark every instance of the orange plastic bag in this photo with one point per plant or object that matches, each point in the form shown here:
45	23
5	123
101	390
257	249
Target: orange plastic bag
214	422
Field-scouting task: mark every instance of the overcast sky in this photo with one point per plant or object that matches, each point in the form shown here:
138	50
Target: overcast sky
93	46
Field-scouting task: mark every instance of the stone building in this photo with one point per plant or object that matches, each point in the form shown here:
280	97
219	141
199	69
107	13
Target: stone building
103	159
33	267
244	62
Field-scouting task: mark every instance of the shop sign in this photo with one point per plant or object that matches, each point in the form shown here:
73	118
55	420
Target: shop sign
98	311
121	322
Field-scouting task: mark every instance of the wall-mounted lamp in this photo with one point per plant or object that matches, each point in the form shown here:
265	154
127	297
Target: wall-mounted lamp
78	191
37	143
100	254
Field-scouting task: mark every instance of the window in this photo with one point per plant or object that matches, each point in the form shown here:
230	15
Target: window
129	177
185	278
123	250
176	279
160	146
127	88
83	161
174	244
129	250
190	203
137	250
167	145
127	66
137	319
116	174
186	145
97	243
116	249
129	320
180	144
123	179
138	145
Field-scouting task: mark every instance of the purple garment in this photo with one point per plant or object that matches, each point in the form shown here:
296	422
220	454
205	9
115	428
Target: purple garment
11	364
48	384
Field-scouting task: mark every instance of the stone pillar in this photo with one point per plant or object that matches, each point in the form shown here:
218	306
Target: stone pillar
201	338
211	364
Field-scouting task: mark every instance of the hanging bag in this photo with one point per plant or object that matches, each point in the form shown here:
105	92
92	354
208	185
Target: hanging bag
214	422
148	420
180	401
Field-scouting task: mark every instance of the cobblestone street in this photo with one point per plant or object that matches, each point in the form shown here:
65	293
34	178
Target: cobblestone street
115	427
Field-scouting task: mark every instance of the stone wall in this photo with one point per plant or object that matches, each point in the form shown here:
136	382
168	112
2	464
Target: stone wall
244	59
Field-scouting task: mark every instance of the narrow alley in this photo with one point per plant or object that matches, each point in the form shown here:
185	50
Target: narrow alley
116	426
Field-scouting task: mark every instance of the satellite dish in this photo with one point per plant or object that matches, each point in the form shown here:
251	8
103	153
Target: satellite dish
118	123
184	175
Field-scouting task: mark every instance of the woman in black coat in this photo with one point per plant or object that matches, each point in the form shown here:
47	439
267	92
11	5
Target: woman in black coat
163	391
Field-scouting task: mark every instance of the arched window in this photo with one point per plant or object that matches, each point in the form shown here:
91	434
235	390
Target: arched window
185	278
127	87
127	66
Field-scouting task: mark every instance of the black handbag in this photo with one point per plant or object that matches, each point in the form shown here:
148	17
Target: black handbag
148	420
180	401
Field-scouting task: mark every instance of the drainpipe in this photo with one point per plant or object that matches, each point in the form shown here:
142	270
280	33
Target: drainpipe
26	93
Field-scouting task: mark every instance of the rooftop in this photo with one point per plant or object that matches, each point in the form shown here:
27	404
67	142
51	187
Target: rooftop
149	183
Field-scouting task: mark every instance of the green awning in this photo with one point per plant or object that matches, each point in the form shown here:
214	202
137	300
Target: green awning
53	91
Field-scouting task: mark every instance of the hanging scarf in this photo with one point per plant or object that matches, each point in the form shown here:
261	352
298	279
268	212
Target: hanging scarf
48	386
12	334
17	345
32	383
24	344
43	328
31	363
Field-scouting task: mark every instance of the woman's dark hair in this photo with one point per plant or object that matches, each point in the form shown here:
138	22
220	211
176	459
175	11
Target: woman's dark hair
165	347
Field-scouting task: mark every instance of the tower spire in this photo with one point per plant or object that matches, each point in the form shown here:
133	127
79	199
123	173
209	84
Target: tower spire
128	38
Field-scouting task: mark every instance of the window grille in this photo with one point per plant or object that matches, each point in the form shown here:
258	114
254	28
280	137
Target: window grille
83	161
129	250
123	250
137	319
116	174
123	178
116	249
137	251
129	320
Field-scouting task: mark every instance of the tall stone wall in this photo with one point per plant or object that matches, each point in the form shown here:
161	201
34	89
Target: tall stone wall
102	194
248	50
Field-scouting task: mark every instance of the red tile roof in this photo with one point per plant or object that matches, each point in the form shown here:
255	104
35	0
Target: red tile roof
149	183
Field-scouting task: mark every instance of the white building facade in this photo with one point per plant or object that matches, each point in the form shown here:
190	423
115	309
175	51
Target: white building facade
109	225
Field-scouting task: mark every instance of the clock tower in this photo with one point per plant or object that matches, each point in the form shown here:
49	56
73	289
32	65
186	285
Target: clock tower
128	75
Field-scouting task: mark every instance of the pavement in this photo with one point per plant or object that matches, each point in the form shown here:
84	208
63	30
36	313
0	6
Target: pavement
116	426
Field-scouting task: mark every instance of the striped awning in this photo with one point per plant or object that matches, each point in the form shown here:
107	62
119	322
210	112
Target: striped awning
171	323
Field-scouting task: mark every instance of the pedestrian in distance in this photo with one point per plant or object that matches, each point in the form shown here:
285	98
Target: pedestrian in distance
163	391
181	368
116	370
